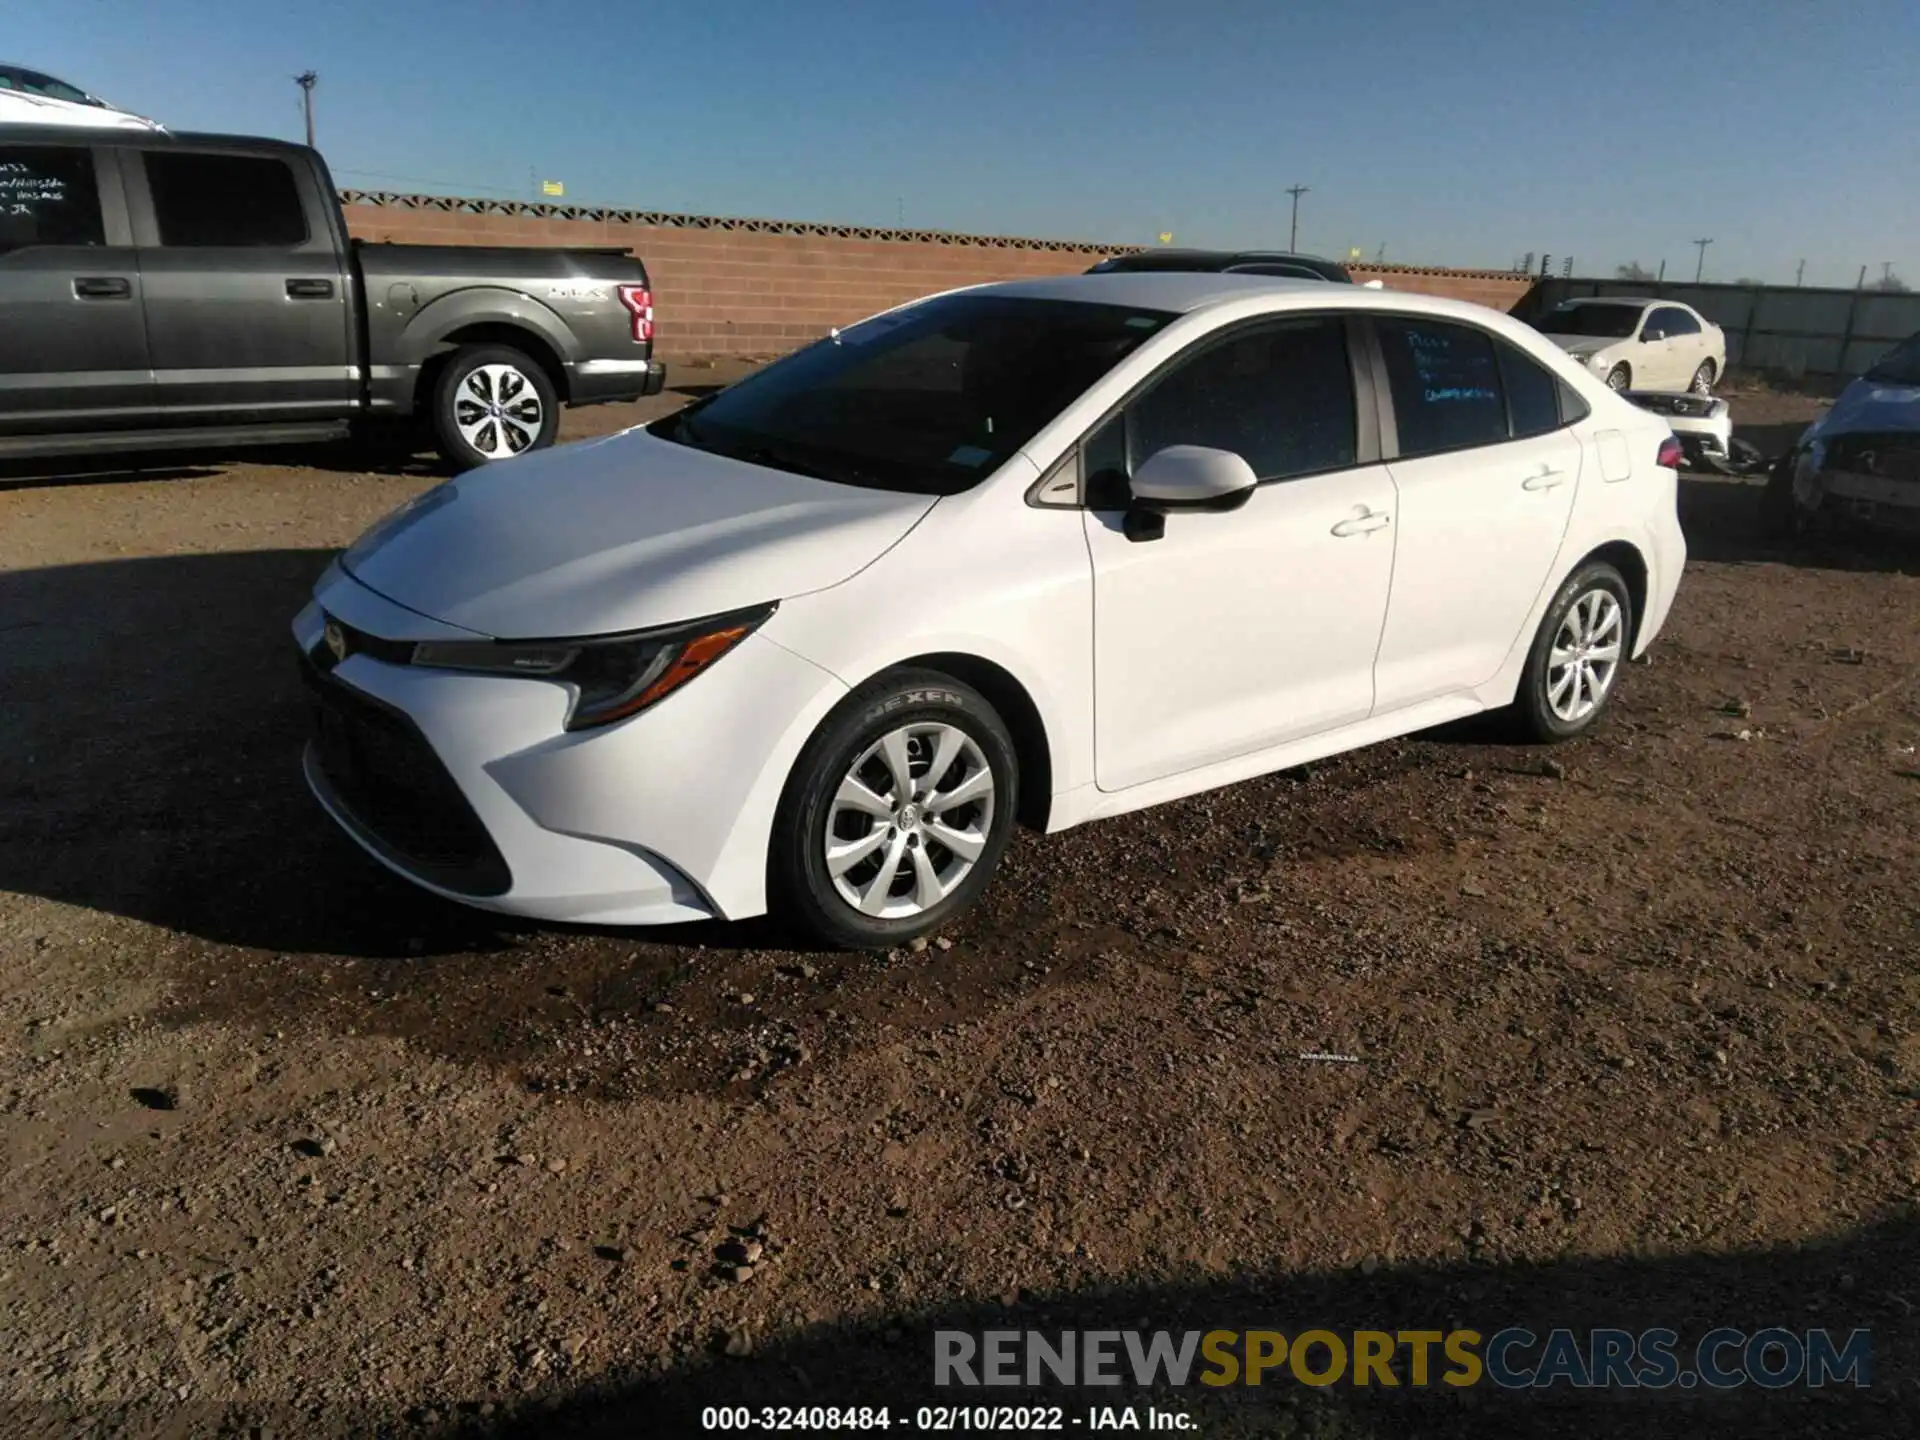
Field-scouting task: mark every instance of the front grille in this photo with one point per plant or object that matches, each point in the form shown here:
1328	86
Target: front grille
1891	455
384	774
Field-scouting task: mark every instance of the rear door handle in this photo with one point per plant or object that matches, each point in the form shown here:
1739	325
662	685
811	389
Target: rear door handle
1362	524
1545	480
102	287
309	289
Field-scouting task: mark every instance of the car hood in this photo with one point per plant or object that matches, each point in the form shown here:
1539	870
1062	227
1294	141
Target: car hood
1870	405
621	534
1583	346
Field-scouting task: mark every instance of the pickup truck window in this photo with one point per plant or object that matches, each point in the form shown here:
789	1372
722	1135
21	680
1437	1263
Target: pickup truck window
929	399
241	200
48	196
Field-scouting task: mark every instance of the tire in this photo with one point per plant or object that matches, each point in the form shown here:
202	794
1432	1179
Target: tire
1703	378
491	402
910	716
1542	710
1620	378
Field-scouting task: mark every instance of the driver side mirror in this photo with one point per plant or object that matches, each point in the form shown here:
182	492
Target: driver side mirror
1185	477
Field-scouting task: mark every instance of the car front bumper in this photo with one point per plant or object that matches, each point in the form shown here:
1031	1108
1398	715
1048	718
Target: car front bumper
470	786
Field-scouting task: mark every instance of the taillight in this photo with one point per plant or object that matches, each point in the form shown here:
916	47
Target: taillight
1670	454
639	302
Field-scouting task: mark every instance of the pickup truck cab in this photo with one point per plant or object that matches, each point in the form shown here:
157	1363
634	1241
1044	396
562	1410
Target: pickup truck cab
187	290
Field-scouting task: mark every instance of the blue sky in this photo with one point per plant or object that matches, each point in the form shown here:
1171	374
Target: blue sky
1460	134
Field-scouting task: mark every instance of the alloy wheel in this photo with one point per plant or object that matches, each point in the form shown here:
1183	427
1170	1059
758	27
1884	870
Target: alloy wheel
1585	655
497	411
909	820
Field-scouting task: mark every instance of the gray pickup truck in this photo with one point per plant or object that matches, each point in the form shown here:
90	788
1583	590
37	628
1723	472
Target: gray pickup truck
193	290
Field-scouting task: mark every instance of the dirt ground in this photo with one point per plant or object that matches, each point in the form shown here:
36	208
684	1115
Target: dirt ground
292	1148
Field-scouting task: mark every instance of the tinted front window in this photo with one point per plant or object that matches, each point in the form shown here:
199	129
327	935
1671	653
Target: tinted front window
1533	396
1280	269
930	399
1676	322
1900	365
1280	397
201	200
1446	385
1609	322
32	82
48	197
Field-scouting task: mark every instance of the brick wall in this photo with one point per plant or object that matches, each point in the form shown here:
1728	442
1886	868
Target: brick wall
744	288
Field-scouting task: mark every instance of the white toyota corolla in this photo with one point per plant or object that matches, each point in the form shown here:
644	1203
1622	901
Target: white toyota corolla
1044	551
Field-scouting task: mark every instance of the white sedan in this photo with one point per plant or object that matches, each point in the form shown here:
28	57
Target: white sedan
1640	344
1045	551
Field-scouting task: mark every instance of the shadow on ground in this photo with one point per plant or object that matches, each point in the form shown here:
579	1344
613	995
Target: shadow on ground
1869	1279
1724	523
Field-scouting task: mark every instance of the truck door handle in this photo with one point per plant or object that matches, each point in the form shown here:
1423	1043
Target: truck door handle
102	287
1362	524
309	289
1545	480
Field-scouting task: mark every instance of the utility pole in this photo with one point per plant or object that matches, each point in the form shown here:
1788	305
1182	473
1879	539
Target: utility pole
306	80
1700	265
1293	231
1799	273
1886	274
1661	278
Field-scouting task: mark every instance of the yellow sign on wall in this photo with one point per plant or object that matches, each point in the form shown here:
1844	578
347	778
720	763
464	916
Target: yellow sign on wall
1166	237
552	187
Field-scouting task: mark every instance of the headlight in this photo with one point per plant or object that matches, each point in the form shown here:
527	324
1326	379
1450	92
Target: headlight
611	677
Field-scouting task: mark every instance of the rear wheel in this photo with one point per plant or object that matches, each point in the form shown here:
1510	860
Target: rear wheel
896	813
1620	378
491	402
1577	655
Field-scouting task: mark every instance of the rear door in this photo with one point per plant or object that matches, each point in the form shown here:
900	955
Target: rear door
1686	341
73	345
1485	464
247	301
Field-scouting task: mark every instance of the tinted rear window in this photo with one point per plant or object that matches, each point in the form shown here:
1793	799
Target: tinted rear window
241	200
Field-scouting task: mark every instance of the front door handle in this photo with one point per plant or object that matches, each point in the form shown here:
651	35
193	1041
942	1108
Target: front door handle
1545	480
309	289
102	287
1362	524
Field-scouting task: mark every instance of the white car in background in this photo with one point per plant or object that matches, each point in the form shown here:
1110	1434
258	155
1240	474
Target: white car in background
1636	344
28	97
1051	550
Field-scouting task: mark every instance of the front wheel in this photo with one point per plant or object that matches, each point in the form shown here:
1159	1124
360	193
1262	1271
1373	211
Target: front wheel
1582	642
491	402
896	813
1702	382
1620	378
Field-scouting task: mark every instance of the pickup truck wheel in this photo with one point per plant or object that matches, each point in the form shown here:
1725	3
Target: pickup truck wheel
491	402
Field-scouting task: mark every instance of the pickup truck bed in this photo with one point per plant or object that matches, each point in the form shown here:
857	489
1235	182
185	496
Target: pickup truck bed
179	290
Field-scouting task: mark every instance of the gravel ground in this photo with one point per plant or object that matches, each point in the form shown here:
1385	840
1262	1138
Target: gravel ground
292	1148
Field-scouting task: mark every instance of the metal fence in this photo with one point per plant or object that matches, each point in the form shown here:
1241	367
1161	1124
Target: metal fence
1785	328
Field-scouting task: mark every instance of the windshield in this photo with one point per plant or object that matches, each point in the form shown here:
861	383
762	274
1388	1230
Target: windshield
1610	322
34	83
929	399
1900	365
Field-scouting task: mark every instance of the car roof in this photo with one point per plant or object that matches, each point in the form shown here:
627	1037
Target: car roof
27	134
1185	291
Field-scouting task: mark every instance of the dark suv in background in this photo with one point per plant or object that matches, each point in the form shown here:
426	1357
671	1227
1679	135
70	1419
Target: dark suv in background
1243	262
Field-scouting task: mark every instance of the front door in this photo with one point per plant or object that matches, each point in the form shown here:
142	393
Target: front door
1240	630
1486	473
247	304
73	344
